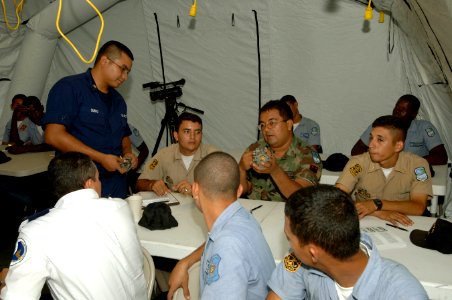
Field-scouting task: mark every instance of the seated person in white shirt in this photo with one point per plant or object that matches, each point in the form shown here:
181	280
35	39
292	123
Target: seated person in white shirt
422	137
11	137
85	247
172	168
34	111
304	128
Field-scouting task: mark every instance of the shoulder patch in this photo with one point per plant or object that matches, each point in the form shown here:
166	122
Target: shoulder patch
19	252
421	174
135	132
291	263
316	157
314	131
153	164
430	132
356	169
212	269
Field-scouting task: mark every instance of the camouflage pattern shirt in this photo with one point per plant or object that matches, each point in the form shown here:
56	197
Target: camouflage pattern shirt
300	162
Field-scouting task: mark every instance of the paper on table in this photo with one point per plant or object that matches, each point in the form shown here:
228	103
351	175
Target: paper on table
383	238
151	197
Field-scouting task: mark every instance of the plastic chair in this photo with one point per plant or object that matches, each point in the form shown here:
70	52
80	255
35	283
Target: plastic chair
193	284
149	271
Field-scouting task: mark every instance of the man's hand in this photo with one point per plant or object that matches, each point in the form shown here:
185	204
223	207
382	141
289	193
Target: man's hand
179	278
393	217
111	163
17	149
246	161
159	187
183	187
3	277
133	159
365	208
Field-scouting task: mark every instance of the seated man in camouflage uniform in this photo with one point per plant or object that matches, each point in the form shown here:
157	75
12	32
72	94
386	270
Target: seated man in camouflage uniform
278	164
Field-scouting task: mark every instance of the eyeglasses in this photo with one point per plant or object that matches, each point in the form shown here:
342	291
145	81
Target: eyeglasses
123	69
270	124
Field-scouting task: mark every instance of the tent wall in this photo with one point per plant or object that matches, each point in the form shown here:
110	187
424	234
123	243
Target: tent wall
322	52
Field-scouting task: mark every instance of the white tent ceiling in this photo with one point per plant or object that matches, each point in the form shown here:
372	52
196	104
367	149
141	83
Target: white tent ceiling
321	51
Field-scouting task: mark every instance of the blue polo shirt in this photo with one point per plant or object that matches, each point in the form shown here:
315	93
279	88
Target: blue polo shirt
96	119
237	261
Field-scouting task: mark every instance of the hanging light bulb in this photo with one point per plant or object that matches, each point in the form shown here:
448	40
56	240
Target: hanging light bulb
368	12
192	12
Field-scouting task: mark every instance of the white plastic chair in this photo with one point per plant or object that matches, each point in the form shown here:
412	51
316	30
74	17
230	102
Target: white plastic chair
193	284
149	271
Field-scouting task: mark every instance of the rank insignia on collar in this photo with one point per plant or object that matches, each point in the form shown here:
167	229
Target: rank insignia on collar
19	252
291	263
356	169
421	174
211	271
153	164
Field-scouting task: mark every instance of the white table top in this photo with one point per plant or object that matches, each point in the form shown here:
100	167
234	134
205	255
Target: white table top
25	164
439	181
432	268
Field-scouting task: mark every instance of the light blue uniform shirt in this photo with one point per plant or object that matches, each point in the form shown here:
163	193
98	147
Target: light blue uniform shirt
421	137
308	131
28	133
237	261
382	279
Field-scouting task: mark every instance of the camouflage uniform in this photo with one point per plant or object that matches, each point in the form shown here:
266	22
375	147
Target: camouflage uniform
300	162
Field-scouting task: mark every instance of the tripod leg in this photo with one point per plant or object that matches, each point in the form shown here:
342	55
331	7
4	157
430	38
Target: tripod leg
159	137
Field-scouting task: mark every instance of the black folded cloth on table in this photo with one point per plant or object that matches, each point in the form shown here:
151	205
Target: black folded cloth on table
157	216
335	162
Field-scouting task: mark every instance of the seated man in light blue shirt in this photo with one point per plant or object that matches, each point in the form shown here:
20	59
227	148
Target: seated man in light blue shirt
422	137
331	259
236	261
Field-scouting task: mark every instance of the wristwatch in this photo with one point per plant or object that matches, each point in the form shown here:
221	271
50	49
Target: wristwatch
378	203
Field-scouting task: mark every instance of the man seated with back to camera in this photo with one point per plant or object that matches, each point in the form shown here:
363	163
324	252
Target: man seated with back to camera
386	181
422	137
35	112
331	259
85	247
306	129
171	169
236	261
281	163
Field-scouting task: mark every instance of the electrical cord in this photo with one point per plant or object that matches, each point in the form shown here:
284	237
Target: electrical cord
19	8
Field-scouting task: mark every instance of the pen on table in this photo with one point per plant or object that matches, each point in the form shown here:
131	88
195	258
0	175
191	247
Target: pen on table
257	207
396	227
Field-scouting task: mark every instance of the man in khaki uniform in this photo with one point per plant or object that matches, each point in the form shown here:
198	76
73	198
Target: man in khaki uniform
385	181
279	164
172	167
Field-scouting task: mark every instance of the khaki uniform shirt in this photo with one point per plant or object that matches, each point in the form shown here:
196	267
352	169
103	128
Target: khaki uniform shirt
410	175
168	162
300	162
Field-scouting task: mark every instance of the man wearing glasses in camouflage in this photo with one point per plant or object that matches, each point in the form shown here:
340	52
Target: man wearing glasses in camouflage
278	164
86	114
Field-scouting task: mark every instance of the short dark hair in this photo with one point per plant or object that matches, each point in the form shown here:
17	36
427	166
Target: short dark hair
186	116
33	101
18	96
288	99
395	124
325	216
413	102
218	174
69	172
282	107
113	49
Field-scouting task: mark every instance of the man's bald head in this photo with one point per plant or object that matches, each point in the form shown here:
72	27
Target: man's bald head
218	175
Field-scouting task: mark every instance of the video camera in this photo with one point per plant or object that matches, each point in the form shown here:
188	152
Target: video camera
164	91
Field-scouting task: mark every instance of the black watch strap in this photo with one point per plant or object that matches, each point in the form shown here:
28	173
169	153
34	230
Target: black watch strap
378	203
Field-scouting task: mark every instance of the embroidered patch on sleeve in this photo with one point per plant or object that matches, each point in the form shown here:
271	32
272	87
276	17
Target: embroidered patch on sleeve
212	269
315	131
291	263
19	252
316	157
421	174
153	164
430	132
356	169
